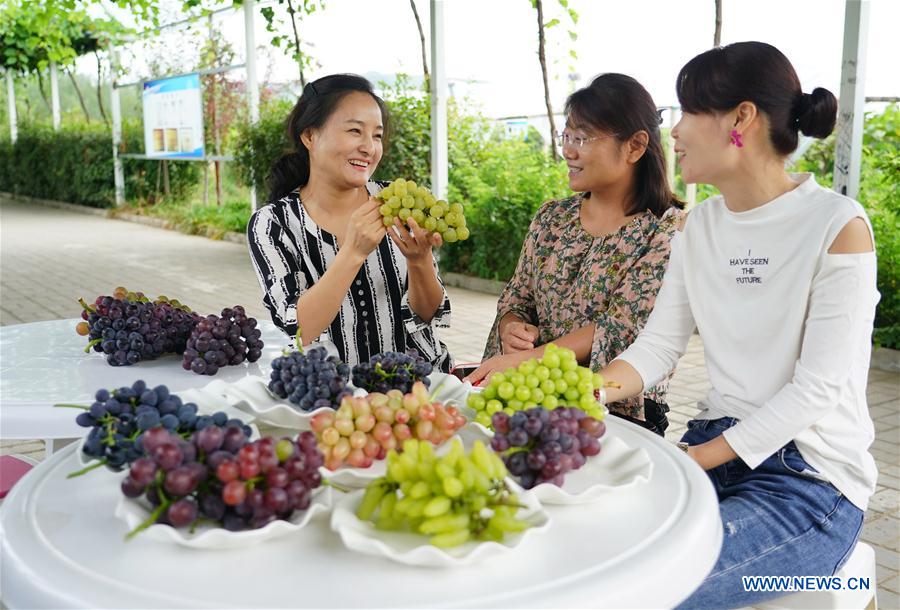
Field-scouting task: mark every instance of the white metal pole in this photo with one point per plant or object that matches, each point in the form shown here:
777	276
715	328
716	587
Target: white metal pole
54	94
252	86
118	169
848	146
691	196
670	151
11	100
439	155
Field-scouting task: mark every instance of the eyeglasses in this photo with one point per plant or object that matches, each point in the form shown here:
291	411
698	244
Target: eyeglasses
565	139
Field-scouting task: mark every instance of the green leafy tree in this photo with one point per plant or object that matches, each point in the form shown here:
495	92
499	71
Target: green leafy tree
879	192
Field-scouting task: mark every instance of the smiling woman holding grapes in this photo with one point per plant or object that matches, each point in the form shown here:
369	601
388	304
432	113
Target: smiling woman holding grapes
322	254
591	264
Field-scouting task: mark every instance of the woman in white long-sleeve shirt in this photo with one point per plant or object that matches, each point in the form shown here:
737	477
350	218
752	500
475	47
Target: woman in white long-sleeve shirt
778	276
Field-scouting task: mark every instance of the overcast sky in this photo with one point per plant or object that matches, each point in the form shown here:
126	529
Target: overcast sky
491	44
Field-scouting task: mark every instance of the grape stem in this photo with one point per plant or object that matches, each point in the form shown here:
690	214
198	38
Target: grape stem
298	341
335	485
87	469
87	348
150	520
68	406
86	307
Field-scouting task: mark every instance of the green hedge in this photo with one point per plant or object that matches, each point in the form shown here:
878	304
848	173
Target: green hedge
879	192
75	165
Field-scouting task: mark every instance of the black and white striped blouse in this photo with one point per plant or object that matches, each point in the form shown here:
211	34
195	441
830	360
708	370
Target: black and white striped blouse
290	253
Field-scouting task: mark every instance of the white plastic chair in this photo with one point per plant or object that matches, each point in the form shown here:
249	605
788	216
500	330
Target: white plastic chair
860	565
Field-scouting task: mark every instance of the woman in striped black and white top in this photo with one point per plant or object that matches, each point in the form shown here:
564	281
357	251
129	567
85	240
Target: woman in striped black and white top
322	254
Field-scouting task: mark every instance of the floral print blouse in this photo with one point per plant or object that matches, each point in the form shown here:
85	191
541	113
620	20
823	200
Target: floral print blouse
566	279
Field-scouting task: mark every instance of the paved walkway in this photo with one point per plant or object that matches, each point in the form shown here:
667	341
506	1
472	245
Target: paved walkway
50	257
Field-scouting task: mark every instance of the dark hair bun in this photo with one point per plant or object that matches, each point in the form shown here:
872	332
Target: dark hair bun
816	113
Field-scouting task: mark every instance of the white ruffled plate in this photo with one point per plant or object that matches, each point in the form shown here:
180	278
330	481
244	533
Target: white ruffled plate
134	513
616	467
448	389
356	478
414	549
251	395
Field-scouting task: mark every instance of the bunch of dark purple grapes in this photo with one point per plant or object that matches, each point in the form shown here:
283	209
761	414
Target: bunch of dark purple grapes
221	341
131	331
392	371
120	419
221	477
541	446
310	379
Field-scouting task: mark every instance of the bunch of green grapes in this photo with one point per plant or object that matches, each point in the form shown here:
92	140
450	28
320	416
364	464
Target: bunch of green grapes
451	499
404	199
554	380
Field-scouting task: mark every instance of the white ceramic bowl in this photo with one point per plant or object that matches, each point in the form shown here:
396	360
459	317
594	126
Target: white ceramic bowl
616	467
134	512
414	549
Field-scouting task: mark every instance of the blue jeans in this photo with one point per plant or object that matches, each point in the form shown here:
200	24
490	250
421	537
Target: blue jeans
778	519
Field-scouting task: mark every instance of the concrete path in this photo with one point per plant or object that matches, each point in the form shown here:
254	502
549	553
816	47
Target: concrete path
50	257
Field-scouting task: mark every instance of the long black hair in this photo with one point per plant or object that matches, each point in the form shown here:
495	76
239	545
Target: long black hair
720	79
620	105
319	100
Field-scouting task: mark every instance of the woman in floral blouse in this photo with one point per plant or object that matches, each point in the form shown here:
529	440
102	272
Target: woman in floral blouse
591	264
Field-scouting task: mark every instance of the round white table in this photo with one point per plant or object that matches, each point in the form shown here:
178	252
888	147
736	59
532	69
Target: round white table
43	363
645	546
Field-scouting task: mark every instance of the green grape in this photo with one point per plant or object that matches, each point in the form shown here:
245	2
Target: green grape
442	497
394	202
452	218
436	210
523	393
408	201
456	208
437	506
506	390
450	235
450	539
385	210
430	224
476	401
388	221
419	203
493	406
418	216
404	214
411	186
444	523
371	499
441	226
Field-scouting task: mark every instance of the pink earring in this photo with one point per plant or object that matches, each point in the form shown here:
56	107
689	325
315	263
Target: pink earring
736	139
